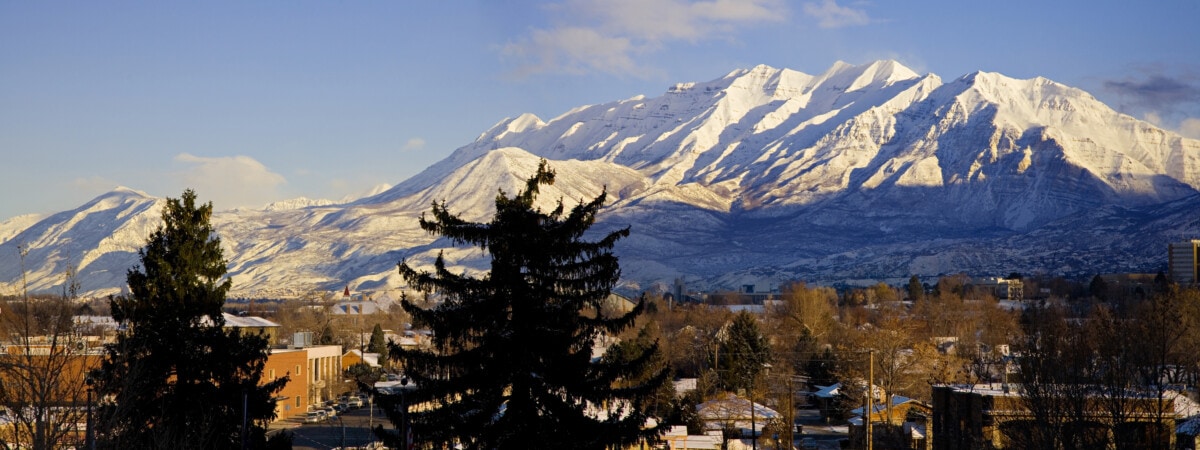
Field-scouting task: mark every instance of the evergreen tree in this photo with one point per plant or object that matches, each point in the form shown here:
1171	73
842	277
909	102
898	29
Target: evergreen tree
916	291
744	351
378	344
512	365
175	377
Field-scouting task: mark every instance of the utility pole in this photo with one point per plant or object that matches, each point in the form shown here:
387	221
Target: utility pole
870	398
791	413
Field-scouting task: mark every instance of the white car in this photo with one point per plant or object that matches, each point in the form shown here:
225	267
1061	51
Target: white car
313	417
329	411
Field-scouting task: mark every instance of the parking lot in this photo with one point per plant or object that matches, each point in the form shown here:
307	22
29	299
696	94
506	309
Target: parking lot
349	429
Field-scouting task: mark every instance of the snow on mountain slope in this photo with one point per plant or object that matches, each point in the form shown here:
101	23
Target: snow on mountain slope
763	174
361	243
16	225
100	239
297	203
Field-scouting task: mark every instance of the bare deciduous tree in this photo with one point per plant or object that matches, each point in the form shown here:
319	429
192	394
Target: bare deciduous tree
42	367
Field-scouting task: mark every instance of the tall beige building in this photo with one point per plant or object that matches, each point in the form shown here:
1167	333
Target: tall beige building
1183	260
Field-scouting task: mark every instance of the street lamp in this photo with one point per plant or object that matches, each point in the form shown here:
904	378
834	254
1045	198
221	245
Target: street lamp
90	434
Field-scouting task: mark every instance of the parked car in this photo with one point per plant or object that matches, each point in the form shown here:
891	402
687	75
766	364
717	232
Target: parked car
354	401
329	411
341	408
314	417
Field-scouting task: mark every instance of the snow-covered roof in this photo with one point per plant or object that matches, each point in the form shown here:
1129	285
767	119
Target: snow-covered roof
1184	406
733	407
1189	427
247	321
835	390
828	391
233	321
371	359
345	308
683	385
914	430
877	408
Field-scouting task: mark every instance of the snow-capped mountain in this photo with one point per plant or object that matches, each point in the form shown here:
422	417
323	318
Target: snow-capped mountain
99	239
761	176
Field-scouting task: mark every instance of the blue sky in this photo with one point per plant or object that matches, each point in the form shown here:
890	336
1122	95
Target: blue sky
252	102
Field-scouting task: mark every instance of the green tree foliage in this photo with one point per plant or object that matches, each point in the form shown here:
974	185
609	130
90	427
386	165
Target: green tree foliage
378	343
744	351
175	377
363	374
512	361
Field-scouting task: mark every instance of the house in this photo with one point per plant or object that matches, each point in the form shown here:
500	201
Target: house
995	414
684	385
353	311
677	438
825	398
907	416
353	357
252	325
731	412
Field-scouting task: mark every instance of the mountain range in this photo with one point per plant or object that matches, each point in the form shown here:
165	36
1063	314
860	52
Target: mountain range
762	176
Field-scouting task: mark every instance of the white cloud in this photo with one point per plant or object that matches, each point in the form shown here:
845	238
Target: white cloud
609	36
830	15
574	51
413	144
1154	118
230	181
1190	127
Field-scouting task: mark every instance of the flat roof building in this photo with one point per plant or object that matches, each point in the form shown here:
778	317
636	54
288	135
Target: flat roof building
1182	260
996	416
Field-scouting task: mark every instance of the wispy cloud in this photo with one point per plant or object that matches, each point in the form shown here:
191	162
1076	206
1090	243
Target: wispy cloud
1190	127
230	181
598	36
1169	100
413	145
830	15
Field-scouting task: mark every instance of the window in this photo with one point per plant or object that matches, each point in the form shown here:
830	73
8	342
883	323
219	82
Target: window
297	401
297	369
273	374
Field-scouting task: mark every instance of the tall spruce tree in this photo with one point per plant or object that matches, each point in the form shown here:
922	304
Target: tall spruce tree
174	377
744	354
378	343
511	365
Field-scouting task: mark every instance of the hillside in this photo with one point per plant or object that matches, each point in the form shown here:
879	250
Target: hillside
758	177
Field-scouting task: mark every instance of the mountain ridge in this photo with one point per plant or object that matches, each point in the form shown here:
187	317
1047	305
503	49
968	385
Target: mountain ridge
763	174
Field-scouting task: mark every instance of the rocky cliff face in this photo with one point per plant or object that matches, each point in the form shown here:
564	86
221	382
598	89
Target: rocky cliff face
761	176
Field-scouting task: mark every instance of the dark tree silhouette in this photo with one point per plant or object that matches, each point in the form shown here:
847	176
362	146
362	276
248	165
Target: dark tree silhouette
511	364
175	378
